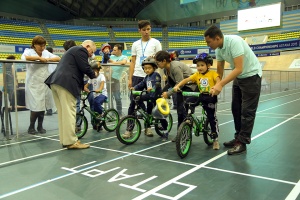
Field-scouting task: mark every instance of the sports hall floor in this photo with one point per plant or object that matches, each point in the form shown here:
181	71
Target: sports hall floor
37	167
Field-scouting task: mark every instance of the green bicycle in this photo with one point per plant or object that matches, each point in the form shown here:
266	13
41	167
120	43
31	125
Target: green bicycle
109	119
192	124
132	123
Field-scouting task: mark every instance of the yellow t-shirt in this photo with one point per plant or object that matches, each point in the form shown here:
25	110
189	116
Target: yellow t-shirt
206	81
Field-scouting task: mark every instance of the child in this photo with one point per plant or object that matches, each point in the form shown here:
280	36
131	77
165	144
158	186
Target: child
105	49
99	85
205	80
152	81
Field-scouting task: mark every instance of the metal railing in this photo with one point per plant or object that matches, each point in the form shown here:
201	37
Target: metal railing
272	82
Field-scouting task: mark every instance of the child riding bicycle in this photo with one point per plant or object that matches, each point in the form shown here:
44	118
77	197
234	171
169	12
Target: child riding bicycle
99	86
205	79
152	82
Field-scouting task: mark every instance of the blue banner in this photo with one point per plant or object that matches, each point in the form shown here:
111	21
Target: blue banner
276	45
20	49
267	54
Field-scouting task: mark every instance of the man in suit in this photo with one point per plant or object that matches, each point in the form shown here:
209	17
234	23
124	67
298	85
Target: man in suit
66	83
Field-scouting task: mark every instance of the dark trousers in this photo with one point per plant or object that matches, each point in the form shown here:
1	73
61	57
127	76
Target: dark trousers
245	97
181	110
209	104
135	81
116	94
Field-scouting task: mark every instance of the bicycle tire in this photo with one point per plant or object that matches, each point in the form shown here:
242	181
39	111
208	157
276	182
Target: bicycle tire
123	127
111	119
184	139
81	125
158	126
206	131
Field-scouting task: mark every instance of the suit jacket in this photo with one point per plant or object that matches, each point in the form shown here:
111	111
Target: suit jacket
71	69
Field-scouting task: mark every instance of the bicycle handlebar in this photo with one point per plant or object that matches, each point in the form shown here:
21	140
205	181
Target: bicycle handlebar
87	94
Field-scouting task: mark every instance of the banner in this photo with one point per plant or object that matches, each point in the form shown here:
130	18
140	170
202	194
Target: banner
7	49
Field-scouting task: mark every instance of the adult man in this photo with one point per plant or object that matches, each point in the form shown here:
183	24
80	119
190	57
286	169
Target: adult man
66	83
117	58
246	76
141	49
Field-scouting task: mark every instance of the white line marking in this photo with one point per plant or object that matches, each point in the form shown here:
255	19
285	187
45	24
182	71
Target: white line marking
294	193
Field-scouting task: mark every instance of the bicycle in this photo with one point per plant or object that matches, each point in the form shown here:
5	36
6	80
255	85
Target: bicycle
192	124
132	122
109	119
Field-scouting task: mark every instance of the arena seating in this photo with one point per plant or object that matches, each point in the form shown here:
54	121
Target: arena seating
18	32
185	37
60	33
130	35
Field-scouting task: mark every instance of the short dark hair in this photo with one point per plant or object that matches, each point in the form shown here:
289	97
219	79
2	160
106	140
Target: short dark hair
11	57
119	47
213	31
176	53
143	23
50	49
68	44
162	55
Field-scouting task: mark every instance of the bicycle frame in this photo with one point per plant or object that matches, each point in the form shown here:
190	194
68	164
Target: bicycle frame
199	121
87	108
146	117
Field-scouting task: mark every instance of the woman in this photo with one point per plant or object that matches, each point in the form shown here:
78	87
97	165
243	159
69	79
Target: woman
175	71
35	88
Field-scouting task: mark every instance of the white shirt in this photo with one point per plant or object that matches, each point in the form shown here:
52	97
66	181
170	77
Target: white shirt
96	84
143	50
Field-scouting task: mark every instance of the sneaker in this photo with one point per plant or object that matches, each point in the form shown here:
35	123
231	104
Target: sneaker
216	145
148	132
78	145
127	134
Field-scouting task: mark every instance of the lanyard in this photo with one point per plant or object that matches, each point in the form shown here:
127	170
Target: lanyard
143	50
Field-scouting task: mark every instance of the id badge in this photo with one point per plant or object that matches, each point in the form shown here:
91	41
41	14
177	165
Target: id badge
142	58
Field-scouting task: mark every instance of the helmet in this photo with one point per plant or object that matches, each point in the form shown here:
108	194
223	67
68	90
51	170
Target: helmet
105	45
94	64
151	61
203	57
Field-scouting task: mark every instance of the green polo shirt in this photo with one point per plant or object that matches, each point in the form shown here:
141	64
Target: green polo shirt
234	46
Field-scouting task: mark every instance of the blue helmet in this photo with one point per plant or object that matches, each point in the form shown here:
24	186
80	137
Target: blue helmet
203	57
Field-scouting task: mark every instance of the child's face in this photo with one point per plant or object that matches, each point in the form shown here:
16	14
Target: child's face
202	67
96	72
106	50
148	69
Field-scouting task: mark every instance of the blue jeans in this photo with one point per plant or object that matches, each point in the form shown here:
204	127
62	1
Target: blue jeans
98	101
116	94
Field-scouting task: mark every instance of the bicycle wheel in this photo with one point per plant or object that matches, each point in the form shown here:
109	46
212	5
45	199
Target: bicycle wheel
81	125
184	139
111	120
130	125
206	131
159	126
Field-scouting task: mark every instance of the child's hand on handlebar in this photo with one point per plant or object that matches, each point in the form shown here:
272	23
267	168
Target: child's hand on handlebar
164	95
176	88
132	88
